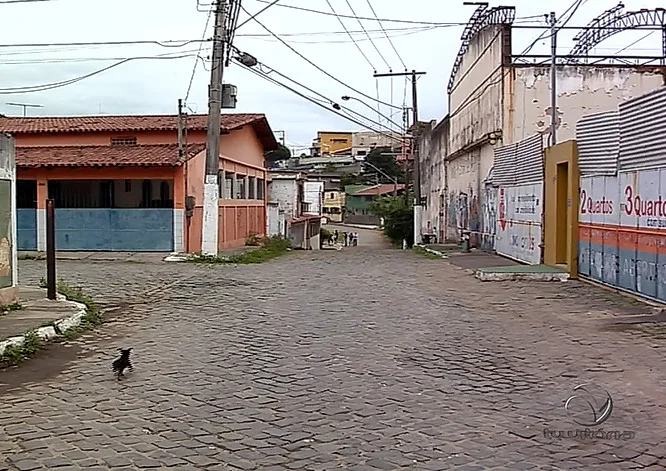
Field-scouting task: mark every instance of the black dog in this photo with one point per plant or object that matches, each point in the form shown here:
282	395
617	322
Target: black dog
123	362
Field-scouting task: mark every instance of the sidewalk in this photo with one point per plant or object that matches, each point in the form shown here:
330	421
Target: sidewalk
38	313
491	267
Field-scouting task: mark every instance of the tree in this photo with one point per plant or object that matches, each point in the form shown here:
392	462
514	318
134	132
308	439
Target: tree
383	159
398	217
282	153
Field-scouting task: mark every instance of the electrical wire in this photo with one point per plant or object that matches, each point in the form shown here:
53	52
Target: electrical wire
351	37
635	42
385	20
330	110
386	34
194	68
23	1
181	43
316	66
64	83
369	38
64	60
575	5
346	41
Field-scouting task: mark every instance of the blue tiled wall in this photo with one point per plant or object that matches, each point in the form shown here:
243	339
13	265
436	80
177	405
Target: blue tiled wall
119	230
26	227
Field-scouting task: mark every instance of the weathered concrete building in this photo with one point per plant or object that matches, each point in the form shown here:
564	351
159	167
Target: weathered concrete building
496	98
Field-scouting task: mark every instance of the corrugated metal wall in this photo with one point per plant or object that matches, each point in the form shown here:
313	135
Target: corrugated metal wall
518	171
598	140
642	126
520	163
622	216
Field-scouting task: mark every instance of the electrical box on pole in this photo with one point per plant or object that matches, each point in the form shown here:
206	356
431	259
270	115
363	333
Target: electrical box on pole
229	96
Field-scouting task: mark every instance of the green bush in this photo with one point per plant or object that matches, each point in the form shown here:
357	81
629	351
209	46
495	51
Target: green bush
398	217
271	247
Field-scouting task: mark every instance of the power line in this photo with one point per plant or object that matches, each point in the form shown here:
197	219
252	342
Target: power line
366	33
635	42
23	1
50	86
64	60
385	20
386	34
575	5
315	65
196	62
181	43
350	36
316	102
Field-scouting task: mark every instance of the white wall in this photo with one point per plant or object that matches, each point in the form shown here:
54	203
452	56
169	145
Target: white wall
475	101
285	193
313	193
580	91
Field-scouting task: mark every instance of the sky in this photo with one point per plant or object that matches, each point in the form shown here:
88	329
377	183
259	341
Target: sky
154	85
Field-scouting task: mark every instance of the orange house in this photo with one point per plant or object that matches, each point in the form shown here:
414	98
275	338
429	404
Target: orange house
123	183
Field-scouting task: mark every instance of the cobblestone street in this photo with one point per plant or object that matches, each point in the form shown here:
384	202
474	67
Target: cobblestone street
368	358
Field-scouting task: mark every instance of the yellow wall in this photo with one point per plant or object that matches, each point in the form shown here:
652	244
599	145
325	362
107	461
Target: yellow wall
328	141
338	201
561	206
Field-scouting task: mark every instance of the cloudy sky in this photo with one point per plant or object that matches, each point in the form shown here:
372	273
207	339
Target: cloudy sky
421	31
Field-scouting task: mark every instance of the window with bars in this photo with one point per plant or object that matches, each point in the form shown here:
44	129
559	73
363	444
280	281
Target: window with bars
242	186
228	185
260	188
123	141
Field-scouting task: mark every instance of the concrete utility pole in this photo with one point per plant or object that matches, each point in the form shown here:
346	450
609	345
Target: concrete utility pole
416	178
415	119
553	79
210	225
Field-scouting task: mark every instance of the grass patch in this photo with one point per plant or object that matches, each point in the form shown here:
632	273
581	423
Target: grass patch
271	247
30	256
15	354
93	316
422	251
9	308
32	343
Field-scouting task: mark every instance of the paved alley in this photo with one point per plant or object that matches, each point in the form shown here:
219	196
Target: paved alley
368	358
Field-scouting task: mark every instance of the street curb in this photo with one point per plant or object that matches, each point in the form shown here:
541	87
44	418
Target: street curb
55	329
561	277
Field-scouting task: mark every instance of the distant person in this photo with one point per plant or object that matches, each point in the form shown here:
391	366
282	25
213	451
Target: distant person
336	236
346	236
355	239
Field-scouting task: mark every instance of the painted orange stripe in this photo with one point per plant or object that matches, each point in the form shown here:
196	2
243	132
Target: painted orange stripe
624	238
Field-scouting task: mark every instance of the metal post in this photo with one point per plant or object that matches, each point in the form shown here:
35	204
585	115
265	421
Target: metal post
50	250
417	166
180	131
553	80
209	235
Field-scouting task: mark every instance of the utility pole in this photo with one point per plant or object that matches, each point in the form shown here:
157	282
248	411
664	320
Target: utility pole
415	119
209	237
416	175
553	79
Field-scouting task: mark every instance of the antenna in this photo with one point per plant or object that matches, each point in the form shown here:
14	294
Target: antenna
25	107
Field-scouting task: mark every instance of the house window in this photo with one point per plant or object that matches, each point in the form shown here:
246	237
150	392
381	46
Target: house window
123	141
339	141
260	188
361	152
332	196
228	185
241	184
250	188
